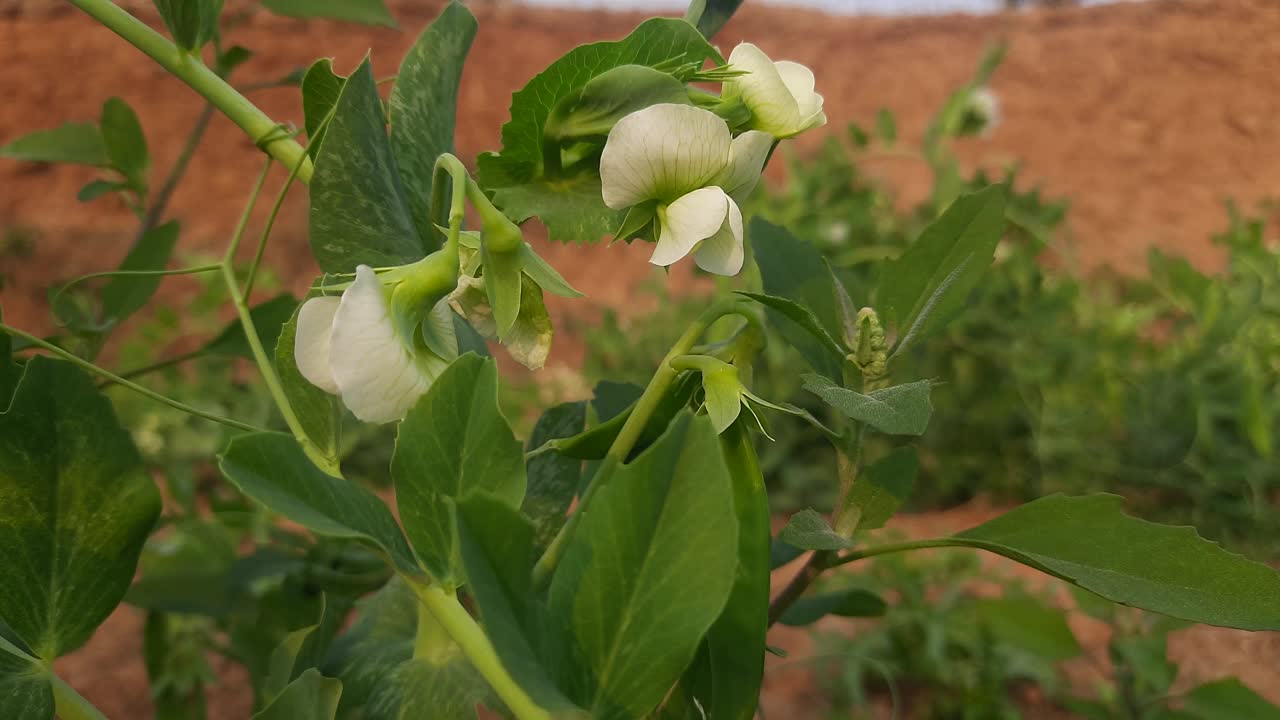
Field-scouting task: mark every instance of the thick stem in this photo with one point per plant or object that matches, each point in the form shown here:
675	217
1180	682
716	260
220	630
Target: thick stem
264	131
69	704
455	620
632	429
813	567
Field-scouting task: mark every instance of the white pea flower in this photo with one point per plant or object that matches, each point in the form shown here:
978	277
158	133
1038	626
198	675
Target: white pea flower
779	94
355	347
685	162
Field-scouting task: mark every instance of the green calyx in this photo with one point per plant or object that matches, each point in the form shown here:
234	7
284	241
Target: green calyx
414	291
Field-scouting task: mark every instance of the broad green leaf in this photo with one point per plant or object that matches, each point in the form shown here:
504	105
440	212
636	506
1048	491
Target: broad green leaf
928	284
794	270
855	602
711	15
269	319
594	443
802	316
727	686
272	469
654	42
896	410
424	106
310	697
76	143
571	207
1171	570
295	653
808	530
444	687
10	372
378	641
883	487
192	23
78	505
95	189
592	111
454	441
657	527
125	143
365	12
360	213
318	412
25	689
125	295
321	88
1029	625
1228	699
553	478
498	550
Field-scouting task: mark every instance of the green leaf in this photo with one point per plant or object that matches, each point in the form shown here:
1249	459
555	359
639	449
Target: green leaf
360	213
78	505
95	189
659	526
125	143
1170	570
794	270
711	15
808	530
269	319
654	42
310	697
594	444
782	552
317	411
498	550
553	478
424	106
1228	699
572	207
886	126
76	143
444	687
592	111
185	571
883	487
854	602
192	23
929	283
10	372
25	689
453	442
321	89
896	410
379	640
802	316
272	469
1022	622
125	295
365	12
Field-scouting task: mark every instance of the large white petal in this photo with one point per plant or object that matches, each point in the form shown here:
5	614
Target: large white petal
690	220
746	162
722	253
311	342
661	153
799	80
378	376
773	107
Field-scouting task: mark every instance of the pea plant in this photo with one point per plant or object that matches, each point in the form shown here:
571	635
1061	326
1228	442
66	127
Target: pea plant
617	563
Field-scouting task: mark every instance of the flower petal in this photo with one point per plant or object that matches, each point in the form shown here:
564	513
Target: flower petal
688	221
764	92
746	161
311	342
662	152
722	253
799	80
377	374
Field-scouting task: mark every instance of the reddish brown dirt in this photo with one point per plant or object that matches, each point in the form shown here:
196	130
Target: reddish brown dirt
1146	116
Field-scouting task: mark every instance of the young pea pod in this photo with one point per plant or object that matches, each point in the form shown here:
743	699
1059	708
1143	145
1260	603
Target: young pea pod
723	682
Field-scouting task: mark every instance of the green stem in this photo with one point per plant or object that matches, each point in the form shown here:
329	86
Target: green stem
266	230
160	203
163	399
188	68
131	273
864	553
157	366
70	704
455	620
265	365
633	428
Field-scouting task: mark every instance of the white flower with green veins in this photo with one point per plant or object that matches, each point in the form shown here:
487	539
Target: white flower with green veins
378	347
681	164
780	95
